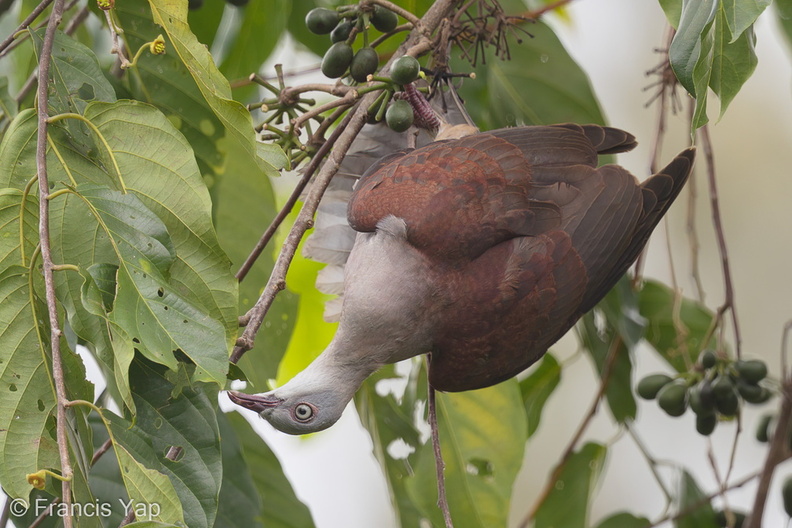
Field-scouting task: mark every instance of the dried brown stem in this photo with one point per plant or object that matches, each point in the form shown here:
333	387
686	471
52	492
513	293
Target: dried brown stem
46	256
607	370
417	44
728	303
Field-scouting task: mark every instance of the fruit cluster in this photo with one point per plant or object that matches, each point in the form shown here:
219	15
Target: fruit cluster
712	389
344	25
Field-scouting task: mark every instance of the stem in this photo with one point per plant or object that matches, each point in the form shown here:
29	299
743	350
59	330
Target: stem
416	44
46	256
442	500
728	303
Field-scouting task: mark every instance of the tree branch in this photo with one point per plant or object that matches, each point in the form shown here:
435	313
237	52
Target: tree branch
416	44
24	25
46	255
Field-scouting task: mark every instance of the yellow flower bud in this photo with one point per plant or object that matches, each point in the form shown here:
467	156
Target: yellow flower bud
157	46
38	479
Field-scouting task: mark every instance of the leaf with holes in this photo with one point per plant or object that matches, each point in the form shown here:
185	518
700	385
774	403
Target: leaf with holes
184	419
482	435
28	400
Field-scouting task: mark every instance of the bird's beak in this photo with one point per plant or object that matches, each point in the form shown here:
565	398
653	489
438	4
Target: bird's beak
253	402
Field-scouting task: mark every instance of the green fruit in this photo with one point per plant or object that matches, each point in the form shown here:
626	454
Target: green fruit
722	386
786	492
399	116
763	427
337	59
708	358
728	403
342	31
701	399
650	385
384	19
752	370
364	64
750	392
321	21
405	70
673	398
705	424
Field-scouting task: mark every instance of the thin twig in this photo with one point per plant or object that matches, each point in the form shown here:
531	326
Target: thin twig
728	302
417	44
24	24
46	255
607	370
442	500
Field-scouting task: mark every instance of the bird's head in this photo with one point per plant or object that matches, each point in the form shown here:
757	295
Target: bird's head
294	413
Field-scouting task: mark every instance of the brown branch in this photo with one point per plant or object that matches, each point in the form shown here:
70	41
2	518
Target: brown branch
417	44
778	450
24	25
607	370
46	255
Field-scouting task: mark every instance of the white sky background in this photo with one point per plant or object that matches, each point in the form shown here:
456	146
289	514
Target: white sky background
334	471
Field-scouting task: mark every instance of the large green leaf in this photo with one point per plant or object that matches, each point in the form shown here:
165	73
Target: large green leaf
688	495
541	84
680	347
239	503
482	435
214	87
281	507
16	241
390	423
537	388
187	420
783	9
741	14
568	503
28	402
262	23
686	48
733	61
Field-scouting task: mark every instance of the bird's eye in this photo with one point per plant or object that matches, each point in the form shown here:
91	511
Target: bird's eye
303	412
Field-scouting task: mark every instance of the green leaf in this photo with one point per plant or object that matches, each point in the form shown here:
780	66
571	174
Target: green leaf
8	105
598	344
13	243
673	11
28	402
783	9
186	420
239	504
214	87
688	495
243	206
105	477
733	62
204	22
575	486
686	48
541	84
741	14
482	436
656	302
390	422
537	388
624	520
261	26
281	507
